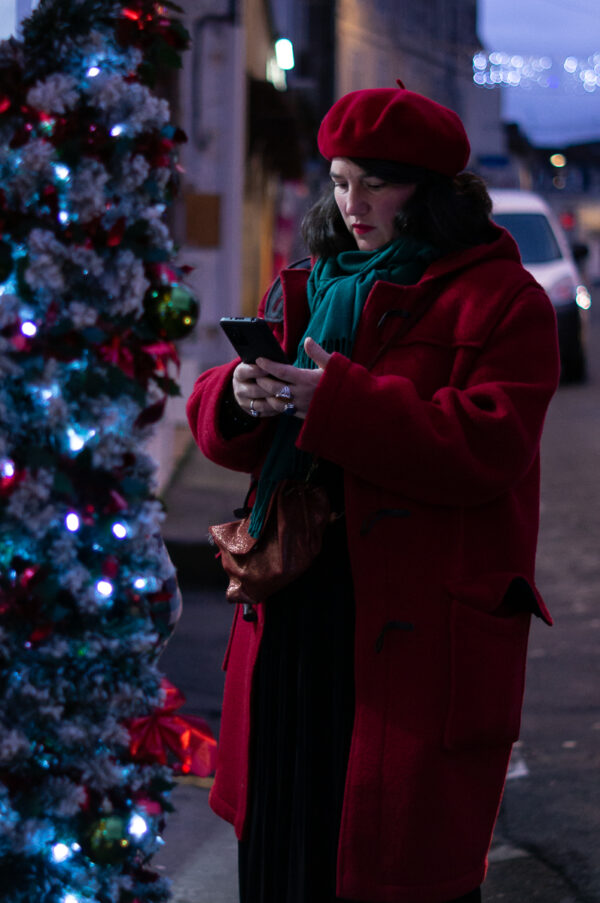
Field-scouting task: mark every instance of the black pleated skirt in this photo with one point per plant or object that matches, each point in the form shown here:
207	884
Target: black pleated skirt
303	710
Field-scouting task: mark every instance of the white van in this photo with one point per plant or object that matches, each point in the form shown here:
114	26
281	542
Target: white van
545	252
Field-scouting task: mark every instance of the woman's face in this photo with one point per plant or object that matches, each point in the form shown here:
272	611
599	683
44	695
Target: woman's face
368	204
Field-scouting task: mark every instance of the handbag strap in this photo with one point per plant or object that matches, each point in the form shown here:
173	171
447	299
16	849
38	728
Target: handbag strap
246	508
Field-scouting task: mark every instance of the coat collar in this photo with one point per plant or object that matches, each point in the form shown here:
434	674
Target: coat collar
502	248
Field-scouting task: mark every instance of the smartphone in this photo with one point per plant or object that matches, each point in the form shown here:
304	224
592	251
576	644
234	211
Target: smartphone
251	337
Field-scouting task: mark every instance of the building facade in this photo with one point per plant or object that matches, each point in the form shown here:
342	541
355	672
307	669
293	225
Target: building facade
242	148
251	164
428	45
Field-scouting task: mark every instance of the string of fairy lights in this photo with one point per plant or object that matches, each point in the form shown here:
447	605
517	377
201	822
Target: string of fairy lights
513	70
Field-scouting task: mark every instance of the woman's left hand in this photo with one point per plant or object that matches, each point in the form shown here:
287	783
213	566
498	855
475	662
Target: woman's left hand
301	384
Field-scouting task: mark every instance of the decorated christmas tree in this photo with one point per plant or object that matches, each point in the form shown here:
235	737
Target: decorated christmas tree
90	303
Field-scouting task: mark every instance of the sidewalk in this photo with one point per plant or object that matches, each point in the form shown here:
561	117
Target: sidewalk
199	494
200	854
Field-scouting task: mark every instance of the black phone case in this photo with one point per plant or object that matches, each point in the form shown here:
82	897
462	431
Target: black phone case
251	337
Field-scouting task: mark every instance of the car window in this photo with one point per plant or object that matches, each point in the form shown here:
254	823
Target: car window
533	234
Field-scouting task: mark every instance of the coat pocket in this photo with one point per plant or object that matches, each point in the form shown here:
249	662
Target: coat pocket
487	677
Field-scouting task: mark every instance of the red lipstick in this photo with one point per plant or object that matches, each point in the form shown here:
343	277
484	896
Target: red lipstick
362	229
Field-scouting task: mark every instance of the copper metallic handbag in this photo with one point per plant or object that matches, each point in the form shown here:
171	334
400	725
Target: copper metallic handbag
290	540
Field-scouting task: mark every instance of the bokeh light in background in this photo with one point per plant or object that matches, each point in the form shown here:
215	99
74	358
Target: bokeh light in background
516	70
546	55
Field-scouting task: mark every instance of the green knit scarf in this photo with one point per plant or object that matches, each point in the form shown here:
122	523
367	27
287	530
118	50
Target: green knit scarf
337	290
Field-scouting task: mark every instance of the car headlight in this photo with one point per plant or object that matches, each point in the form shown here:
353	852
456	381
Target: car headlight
583	297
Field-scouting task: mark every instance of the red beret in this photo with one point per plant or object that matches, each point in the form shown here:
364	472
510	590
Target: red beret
395	124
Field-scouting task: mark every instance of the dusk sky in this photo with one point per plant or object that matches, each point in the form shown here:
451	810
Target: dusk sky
564	112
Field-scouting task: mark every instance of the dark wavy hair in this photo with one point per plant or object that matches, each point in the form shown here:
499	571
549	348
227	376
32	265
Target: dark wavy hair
450	213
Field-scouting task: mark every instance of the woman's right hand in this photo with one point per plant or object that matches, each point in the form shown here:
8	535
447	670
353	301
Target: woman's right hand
248	394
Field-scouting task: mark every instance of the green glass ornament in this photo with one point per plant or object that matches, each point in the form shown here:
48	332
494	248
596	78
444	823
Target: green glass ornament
107	841
172	310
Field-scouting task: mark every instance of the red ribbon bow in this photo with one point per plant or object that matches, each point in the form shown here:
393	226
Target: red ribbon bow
163	735
138	361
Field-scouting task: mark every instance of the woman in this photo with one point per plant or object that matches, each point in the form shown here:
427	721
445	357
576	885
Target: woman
370	709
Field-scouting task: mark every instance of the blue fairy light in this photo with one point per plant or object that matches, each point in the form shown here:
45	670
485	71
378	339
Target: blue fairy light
70	898
62	172
28	328
137	826
104	588
61	852
117	130
7	469
78	436
48	392
93	72
120	530
63	217
146	584
78	364
72	522
76	442
7	474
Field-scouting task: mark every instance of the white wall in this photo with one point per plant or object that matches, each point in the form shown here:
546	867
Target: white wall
212	113
11	13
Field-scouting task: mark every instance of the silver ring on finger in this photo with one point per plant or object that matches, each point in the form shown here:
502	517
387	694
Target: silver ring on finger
290	409
284	394
253	411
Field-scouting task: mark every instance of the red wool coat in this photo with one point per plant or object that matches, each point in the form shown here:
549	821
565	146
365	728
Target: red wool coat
438	434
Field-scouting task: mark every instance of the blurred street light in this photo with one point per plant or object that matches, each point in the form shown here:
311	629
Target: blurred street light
284	53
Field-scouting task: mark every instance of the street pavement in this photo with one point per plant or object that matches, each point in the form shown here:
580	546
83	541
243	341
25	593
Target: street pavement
546	846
